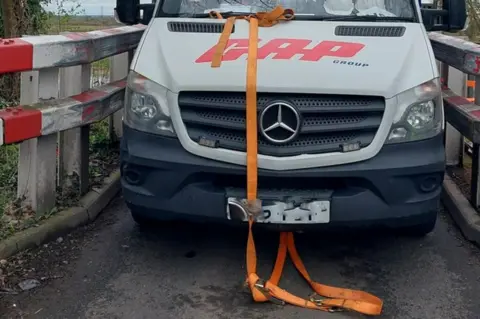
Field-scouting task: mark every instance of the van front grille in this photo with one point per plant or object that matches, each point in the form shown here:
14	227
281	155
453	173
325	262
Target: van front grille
328	121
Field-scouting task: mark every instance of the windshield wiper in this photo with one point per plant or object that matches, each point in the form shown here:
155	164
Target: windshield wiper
225	14
370	17
364	18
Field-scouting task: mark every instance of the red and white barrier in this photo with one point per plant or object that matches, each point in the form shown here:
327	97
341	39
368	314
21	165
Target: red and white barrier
25	122
462	114
46	51
42	115
461	102
456	52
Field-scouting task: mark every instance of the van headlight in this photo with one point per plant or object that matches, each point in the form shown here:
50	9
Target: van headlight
419	114
146	107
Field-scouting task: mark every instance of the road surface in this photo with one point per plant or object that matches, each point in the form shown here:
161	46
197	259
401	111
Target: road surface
112	269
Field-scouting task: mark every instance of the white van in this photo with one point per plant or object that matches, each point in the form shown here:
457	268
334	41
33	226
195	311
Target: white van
350	113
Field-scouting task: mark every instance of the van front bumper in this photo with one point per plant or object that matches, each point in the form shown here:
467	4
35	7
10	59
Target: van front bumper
398	187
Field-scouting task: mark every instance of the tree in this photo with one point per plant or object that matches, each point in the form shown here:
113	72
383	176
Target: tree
17	18
21	17
473	28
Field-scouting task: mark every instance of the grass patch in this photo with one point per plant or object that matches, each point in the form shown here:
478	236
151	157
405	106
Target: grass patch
8	175
104	154
8	170
102	64
80	24
100	72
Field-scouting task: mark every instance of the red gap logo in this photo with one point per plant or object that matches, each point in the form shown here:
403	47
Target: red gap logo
286	49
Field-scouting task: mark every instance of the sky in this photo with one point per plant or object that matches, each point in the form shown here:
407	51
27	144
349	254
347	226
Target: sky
92	7
105	7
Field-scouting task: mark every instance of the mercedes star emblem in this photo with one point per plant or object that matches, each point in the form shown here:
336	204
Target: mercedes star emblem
279	122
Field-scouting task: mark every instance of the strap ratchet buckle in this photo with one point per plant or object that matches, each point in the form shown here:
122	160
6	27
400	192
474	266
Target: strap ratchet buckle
319	301
260	285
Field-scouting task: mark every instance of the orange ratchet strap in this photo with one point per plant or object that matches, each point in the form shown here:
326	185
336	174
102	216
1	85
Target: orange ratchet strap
325	298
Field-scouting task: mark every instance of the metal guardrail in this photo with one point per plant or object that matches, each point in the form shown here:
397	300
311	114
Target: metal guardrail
25	122
53	51
456	52
57	105
462	114
54	117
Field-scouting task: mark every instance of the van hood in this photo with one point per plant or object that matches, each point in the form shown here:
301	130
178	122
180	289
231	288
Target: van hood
297	56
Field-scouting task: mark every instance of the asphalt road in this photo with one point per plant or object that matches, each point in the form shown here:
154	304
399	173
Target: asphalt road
112	269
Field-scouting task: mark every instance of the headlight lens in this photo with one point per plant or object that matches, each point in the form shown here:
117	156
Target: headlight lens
146	107
419	114
143	106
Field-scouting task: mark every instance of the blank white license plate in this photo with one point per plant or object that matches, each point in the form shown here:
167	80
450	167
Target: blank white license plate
314	212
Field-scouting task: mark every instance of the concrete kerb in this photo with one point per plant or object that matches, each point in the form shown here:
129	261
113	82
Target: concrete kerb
90	207
462	212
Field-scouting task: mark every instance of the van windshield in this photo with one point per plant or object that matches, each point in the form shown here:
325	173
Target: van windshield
316	9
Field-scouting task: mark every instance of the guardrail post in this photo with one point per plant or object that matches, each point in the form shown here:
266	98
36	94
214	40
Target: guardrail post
471	88
37	158
119	66
470	94
453	138
74	143
475	182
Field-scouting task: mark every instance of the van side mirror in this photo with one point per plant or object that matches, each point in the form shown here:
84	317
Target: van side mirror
452	17
146	12
132	12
